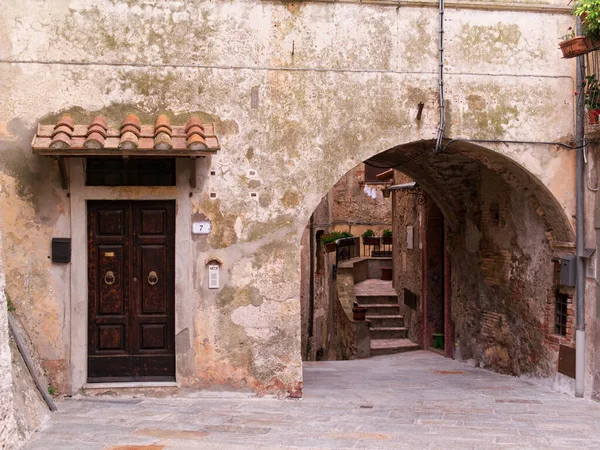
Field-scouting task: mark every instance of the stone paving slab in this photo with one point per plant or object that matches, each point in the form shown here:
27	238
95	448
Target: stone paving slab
373	286
417	400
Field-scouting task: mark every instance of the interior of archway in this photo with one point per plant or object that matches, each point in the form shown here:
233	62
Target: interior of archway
497	246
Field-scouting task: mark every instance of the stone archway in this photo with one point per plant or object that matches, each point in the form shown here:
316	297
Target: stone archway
504	229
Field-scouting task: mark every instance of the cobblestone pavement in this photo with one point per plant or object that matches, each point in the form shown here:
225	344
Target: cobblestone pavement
413	400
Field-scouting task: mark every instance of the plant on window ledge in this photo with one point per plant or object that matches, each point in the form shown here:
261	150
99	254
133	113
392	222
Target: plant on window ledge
592	98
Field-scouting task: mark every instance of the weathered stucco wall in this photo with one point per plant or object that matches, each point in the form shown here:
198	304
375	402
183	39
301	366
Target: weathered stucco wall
8	426
336	82
356	212
506	240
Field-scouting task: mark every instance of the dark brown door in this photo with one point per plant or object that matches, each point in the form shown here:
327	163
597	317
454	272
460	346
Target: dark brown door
131	277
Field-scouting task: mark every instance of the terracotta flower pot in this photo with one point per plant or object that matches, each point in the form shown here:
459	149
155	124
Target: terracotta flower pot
593	116
330	247
359	313
372	240
579	45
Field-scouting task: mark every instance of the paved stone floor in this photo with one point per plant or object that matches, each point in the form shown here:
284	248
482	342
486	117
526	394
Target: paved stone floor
413	400
374	286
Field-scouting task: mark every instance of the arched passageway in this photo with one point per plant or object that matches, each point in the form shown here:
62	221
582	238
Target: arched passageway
479	252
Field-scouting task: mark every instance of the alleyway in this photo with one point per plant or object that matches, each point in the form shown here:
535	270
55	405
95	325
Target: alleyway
411	400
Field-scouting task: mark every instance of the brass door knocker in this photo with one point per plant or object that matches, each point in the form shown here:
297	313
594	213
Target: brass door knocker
152	278
109	278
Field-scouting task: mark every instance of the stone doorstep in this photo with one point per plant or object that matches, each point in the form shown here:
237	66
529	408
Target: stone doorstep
150	388
132	384
371	299
388	332
391	346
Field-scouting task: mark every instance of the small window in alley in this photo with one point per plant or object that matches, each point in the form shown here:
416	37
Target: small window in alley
560	314
372	172
130	172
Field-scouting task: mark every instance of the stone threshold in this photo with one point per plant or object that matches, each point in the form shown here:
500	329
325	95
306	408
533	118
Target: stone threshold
131	385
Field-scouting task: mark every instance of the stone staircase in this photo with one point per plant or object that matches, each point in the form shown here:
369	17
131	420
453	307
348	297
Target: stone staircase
388	333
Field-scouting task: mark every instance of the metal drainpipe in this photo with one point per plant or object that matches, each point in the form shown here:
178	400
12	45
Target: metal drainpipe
580	228
440	135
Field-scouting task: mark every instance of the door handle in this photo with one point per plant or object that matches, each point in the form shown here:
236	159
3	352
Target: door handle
109	278
152	278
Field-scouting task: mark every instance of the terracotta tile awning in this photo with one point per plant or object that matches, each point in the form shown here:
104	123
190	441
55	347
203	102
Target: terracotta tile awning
131	138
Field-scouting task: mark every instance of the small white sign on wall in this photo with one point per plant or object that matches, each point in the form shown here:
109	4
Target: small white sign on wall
213	276
203	227
410	237
590	267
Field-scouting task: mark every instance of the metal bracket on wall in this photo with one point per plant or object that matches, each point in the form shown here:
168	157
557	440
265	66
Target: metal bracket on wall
64	174
193	172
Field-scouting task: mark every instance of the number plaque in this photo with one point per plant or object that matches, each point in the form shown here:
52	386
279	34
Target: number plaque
203	227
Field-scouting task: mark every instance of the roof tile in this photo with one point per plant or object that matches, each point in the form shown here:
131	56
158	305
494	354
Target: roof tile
193	121
162	121
132	119
130	137
196	142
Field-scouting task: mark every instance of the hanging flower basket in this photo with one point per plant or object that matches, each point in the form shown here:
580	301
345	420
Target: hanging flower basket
579	45
386	240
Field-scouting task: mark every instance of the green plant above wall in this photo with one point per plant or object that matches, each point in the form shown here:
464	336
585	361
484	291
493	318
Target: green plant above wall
328	238
368	233
387	233
589	12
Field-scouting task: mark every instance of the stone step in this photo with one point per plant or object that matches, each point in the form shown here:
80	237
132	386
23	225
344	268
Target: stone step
390	346
388	333
377	299
383	310
378	321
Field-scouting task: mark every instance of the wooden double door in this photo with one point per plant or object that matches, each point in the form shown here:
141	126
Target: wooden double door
131	277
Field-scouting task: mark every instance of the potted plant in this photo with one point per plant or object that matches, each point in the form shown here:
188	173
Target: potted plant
369	238
359	313
572	45
386	237
592	98
328	239
345	242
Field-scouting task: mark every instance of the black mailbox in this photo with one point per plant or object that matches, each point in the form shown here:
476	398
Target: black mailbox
568	270
61	250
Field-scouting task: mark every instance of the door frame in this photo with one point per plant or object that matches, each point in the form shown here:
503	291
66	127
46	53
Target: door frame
75	321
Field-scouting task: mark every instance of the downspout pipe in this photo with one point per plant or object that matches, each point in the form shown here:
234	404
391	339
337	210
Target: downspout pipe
440	135
580	227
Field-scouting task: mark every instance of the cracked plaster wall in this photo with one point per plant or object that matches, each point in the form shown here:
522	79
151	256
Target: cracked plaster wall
9	437
337	84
